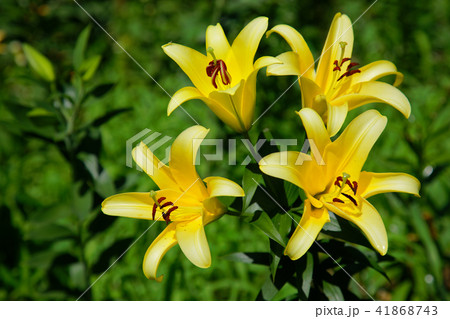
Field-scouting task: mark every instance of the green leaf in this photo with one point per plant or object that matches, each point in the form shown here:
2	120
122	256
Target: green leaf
332	292
250	258
292	192
39	63
307	274
48	232
249	185
100	90
421	227
82	203
264	223
108	116
268	290
80	47
89	67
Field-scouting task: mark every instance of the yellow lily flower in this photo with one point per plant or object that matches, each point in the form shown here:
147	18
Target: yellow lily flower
338	185
337	86
183	201
224	78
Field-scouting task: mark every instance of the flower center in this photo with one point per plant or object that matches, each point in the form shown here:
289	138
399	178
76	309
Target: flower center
342	182
163	206
217	67
339	66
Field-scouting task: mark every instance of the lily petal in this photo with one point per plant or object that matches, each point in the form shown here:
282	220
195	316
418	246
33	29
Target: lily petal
289	65
154	168
315	129
219	186
305	60
134	205
157	250
349	151
246	106
230	101
214	104
372	92
294	167
192	240
306	232
340	31
336	118
371	224
247	42
311	94
371	184
182	95
193	63
182	161
376	70
216	39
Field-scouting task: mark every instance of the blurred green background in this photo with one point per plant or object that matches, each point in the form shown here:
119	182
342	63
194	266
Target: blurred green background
56	242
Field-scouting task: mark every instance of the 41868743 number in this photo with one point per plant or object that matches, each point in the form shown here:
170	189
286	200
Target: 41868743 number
407	310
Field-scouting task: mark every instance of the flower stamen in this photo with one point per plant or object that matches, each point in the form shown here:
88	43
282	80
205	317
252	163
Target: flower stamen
341	182
216	67
158	203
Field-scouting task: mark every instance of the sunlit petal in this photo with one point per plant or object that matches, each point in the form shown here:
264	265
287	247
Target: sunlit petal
289	65
305	60
349	152
231	101
315	129
247	42
376	70
182	160
157	250
192	240
293	167
134	205
193	63
371	224
310	90
371	184
372	92
216	39
246	105
336	118
341	31
185	94
305	234
220	186
154	168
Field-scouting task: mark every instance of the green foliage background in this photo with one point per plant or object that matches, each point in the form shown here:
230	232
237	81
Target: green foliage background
42	234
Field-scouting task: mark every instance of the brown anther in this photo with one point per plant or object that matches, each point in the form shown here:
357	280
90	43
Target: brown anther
336	68
166	218
350	198
165	214
338	180
216	67
166	204
351	72
351	65
337	200
154	211
353	186
344	60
